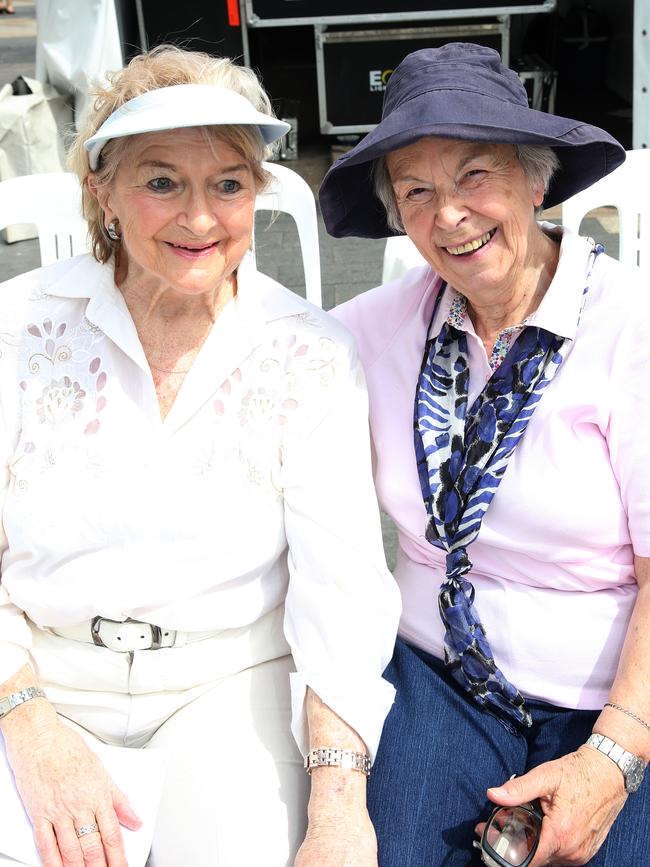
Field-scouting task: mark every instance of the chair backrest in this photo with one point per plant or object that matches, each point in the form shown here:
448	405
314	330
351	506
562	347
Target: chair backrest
626	188
400	255
52	202
290	194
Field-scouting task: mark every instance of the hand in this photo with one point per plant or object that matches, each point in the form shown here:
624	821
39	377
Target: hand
581	795
63	785
347	842
340	833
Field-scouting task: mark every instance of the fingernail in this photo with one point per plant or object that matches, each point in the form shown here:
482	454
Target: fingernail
497	790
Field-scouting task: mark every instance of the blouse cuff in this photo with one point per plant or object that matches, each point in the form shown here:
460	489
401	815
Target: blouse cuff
363	703
12	658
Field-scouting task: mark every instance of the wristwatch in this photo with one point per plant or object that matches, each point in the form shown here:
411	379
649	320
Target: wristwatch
630	765
335	757
9	702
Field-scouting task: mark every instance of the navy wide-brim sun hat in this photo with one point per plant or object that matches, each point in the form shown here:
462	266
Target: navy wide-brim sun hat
459	91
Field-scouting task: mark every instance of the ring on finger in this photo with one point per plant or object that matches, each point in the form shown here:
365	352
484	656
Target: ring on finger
82	830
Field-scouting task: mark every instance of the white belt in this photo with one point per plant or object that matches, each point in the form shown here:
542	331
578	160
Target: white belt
129	635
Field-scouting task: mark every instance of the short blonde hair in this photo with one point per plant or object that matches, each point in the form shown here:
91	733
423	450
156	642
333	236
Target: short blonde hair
163	66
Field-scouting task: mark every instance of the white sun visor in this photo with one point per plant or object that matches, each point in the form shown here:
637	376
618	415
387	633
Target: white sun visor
182	105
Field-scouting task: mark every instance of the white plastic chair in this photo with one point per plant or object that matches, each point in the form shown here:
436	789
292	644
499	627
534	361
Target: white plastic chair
626	188
52	202
400	255
292	195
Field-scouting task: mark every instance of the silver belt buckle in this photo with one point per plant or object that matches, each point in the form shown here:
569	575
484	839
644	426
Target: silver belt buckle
125	636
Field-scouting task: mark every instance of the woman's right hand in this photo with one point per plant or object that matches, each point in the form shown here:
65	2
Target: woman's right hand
63	786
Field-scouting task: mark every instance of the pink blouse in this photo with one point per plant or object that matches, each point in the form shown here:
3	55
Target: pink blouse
553	564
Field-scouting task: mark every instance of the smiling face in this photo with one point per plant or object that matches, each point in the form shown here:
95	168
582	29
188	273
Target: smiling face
185	207
470	210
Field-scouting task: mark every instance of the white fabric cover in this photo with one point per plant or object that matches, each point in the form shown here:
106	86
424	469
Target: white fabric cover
78	41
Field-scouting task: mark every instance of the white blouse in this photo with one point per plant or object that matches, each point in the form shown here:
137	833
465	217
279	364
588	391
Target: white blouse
255	489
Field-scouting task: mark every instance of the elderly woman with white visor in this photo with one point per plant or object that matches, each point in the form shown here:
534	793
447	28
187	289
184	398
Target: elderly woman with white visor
509	384
189	524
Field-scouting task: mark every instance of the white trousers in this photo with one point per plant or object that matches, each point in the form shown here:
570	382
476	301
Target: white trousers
235	791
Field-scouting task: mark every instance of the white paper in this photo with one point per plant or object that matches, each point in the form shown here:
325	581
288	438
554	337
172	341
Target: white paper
138	773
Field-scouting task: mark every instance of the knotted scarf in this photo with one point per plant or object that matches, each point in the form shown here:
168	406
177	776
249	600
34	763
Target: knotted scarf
462	456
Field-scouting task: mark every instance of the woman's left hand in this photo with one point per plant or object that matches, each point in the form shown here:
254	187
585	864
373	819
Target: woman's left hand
342	842
581	795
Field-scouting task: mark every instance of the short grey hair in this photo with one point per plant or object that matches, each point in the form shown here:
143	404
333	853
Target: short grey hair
538	163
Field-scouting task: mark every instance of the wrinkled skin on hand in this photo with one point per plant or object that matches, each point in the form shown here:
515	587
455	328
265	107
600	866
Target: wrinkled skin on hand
349	842
581	795
63	785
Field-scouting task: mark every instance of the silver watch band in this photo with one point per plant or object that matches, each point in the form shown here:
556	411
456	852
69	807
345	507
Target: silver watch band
9	702
335	757
631	766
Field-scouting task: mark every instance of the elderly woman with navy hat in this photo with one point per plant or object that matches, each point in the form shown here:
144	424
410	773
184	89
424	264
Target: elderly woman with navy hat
176	434
510	418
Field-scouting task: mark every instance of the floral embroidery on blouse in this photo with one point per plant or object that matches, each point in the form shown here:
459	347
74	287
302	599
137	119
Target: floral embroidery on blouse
62	386
60	350
60	397
280	371
53	350
457	315
263	397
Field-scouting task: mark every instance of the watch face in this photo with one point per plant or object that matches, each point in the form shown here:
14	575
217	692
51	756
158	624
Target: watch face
634	775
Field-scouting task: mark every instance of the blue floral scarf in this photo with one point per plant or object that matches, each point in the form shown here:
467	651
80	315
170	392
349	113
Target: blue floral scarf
462	455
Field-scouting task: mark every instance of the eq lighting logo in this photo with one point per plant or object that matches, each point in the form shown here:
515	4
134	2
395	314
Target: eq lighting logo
378	79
